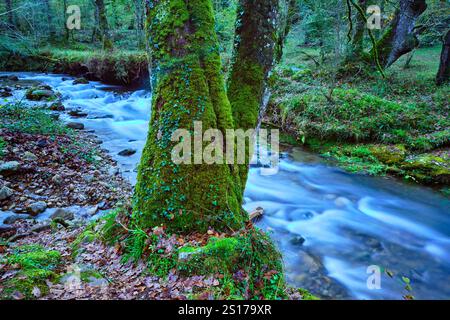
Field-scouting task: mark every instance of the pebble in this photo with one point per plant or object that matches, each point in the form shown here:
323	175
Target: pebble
127	152
5	193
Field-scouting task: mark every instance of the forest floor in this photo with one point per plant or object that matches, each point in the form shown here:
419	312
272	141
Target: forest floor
364	123
59	190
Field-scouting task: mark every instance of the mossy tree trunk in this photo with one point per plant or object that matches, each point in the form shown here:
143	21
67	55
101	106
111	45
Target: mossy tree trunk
256	41
187	86
103	24
444	66
399	37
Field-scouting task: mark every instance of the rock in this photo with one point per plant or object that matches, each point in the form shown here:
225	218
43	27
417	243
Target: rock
42	143
77	114
88	178
92	211
389	154
127	152
5	193
36	208
57	106
13	78
297	240
342	202
57	179
6	230
40	93
28	156
430	167
62	213
16	217
80	81
5	92
9	168
75	125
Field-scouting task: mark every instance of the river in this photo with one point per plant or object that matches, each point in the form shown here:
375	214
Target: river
331	226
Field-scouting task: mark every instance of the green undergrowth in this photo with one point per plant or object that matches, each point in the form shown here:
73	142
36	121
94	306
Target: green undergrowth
34	265
33	120
247	264
2	147
398	125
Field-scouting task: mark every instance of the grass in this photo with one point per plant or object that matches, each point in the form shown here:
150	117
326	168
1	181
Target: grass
363	120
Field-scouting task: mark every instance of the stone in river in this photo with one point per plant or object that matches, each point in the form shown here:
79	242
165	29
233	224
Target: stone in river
62	214
75	125
127	152
57	106
36	208
80	81
297	240
77	114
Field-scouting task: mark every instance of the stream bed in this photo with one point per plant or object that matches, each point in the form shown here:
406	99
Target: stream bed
330	226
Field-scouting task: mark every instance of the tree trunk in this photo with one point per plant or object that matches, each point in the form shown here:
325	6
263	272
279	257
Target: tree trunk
285	24
444	66
48	14
187	86
360	28
399	38
8	7
255	51
139	21
103	25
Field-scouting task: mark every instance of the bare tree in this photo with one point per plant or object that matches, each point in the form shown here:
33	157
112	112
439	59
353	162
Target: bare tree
444	66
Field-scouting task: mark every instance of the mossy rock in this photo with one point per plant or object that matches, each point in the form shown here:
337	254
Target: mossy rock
389	154
430	167
35	265
40	93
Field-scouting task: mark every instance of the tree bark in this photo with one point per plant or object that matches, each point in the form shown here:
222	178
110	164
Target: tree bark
8	7
187	86
103	25
444	66
399	38
360	28
256	42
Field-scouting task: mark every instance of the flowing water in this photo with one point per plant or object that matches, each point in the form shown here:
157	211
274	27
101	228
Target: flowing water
331	226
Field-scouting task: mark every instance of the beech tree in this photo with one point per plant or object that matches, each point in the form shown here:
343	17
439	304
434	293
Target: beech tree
399	37
188	86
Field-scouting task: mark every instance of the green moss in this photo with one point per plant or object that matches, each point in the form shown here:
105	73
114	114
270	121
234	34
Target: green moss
2	147
187	86
36	265
306	295
429	167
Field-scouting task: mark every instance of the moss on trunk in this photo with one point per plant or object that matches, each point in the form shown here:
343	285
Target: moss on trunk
187	86
255	49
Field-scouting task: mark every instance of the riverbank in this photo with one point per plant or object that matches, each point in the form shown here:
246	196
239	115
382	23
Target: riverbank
117	67
367	124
